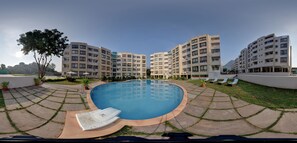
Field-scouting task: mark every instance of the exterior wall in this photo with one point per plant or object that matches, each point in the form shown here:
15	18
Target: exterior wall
17	81
80	58
159	65
105	63
266	54
287	82
129	64
197	57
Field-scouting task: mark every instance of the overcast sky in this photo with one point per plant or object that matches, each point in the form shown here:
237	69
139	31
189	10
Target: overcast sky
146	26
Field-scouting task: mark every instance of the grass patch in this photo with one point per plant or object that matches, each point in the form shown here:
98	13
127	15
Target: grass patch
65	82
257	94
2	104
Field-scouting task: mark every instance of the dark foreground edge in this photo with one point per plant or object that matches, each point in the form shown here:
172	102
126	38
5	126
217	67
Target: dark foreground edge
173	137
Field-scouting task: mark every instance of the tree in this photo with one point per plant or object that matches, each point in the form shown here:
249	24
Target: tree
3	66
44	45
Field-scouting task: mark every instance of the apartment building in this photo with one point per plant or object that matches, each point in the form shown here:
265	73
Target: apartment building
236	65
195	58
267	54
128	64
160	65
85	60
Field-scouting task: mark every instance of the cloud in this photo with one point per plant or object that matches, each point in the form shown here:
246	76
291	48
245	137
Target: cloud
19	54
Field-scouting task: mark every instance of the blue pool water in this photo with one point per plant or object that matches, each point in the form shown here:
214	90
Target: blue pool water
138	99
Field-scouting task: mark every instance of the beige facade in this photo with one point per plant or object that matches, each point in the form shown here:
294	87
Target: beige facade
266	54
81	58
128	64
160	65
196	58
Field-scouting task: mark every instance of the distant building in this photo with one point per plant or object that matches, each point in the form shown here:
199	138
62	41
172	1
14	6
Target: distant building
96	62
80	58
266	54
129	64
160	65
195	58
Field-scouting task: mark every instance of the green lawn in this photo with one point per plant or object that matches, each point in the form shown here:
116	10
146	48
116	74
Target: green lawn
1	100
77	81
257	94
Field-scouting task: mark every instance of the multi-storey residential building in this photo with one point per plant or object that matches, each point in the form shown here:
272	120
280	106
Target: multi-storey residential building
236	65
129	64
195	58
267	54
85	60
242	61
160	65
105	62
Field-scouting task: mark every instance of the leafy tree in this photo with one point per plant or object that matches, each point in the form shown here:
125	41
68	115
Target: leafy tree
44	45
3	66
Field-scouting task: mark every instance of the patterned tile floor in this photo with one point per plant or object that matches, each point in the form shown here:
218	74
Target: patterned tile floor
41	110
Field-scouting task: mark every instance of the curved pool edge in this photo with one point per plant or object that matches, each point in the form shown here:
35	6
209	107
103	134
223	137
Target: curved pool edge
153	121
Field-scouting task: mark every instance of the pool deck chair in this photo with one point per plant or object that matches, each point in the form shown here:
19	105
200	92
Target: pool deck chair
224	81
214	81
97	118
235	81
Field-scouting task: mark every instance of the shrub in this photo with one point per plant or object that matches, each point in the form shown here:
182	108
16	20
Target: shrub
86	82
37	81
70	79
104	78
5	85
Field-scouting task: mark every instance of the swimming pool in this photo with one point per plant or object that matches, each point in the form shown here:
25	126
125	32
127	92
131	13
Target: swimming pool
138	99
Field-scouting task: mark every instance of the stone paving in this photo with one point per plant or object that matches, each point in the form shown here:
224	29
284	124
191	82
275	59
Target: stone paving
210	113
38	110
41	111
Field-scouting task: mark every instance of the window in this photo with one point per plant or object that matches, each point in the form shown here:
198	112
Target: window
203	59
283	59
82	52
83	59
270	41
284	45
194	41
203	68
82	47
215	58
194	53
74	51
202	38
203	51
195	68
82	66
215	50
74	65
74	46
90	49
103	51
284	40
195	60
202	44
283	52
74	58
194	46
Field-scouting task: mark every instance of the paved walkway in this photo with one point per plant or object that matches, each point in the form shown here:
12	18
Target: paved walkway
40	111
209	113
